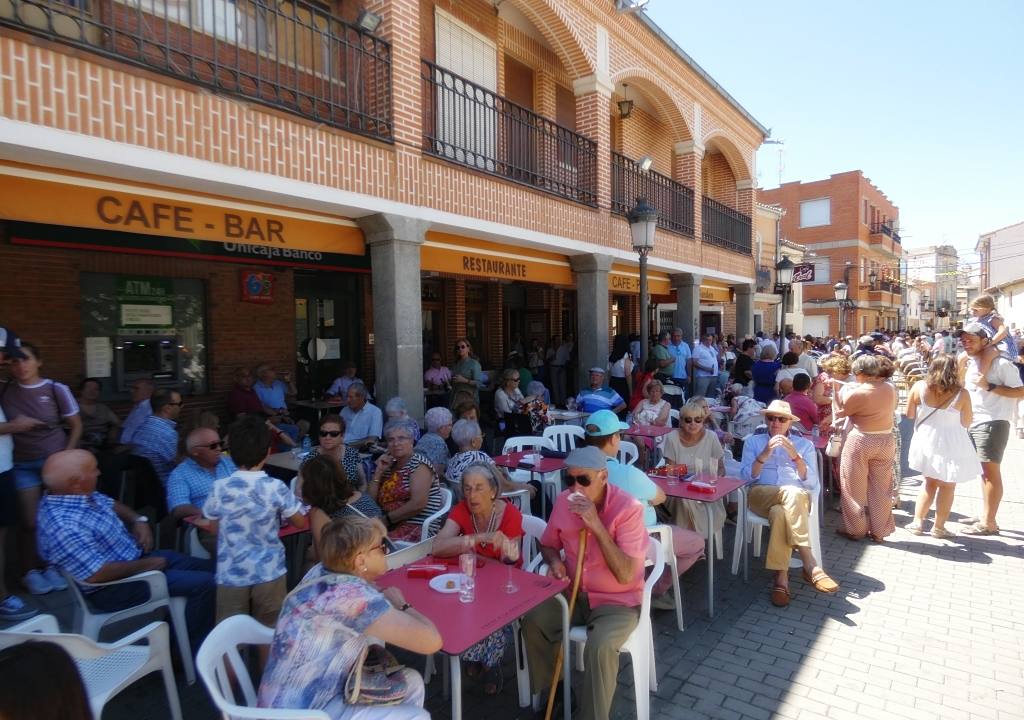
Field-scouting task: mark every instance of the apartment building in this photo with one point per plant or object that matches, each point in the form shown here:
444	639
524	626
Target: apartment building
999	255
934	271
194	185
852	229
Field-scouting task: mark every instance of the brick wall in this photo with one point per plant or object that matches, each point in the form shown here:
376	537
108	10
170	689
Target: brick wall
719	182
643	134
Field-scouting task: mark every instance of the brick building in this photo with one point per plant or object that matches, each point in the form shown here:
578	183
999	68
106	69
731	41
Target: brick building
188	187
853	230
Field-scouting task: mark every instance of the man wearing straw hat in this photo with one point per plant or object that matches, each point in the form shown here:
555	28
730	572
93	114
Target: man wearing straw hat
785	474
610	524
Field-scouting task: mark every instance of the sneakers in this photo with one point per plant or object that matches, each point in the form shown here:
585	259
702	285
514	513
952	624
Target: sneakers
36	583
55	579
14	608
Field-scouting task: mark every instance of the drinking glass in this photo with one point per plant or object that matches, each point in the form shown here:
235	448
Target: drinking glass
698	468
570	404
467	577
672	476
510	556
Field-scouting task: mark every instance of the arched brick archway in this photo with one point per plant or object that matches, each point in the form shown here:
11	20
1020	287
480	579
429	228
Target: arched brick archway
551	19
652	87
717	140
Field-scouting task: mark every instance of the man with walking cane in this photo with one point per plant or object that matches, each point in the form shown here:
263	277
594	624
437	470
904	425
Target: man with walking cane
607	524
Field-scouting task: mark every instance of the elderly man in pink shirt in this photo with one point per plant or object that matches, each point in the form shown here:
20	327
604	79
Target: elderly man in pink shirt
612	582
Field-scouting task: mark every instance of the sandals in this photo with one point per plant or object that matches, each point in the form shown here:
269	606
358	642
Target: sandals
780	596
942	534
821	582
978	529
914	528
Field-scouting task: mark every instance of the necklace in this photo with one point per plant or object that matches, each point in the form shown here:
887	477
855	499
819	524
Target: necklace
491	526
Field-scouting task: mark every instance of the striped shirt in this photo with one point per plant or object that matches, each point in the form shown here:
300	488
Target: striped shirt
604	398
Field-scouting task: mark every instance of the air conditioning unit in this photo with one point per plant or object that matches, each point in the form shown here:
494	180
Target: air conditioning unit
629	6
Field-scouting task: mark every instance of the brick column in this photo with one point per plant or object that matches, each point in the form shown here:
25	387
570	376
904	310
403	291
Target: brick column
455	314
686	169
394	242
744	310
591	312
593	119
687	287
745	203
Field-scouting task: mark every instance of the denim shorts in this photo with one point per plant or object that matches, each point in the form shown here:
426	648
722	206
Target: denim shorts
28	474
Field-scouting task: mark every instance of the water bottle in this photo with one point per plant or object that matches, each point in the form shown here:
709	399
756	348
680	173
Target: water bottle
307	446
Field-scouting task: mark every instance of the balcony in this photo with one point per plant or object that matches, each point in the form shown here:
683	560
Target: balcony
881	228
764	279
885	237
672	200
468	124
291	55
725	227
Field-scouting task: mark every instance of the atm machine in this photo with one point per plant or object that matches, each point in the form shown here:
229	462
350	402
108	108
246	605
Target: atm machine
148	354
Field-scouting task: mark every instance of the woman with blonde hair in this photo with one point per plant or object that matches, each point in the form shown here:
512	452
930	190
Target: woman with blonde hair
941	448
694	444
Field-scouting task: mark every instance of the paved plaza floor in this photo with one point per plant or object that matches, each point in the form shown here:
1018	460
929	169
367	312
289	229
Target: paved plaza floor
920	629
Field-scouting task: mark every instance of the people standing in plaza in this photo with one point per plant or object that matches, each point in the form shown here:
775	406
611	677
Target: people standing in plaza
560	368
742	371
783	468
680	351
866	463
610	590
941	448
29	395
620	366
705	368
993	396
664	358
467	374
763	374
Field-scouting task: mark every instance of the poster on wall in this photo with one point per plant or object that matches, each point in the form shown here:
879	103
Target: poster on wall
145	301
257	286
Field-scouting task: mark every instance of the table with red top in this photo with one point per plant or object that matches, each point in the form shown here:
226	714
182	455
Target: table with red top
722	487
294	550
463	625
648	431
516	461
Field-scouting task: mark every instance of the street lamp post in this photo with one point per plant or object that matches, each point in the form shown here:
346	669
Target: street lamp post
842	289
643	222
784	277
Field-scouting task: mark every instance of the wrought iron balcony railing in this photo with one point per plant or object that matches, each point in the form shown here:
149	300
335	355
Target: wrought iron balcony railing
672	200
885	228
470	125
725	227
288	54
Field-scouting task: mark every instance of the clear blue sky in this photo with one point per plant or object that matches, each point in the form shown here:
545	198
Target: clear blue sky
927	98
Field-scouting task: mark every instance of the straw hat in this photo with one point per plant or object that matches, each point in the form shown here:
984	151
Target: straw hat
780	407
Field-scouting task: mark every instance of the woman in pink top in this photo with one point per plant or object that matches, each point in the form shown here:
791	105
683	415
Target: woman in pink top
865	467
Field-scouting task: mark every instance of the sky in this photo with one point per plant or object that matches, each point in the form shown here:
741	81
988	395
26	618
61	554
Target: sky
927	98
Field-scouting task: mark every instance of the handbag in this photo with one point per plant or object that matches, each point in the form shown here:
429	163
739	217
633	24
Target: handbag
835	445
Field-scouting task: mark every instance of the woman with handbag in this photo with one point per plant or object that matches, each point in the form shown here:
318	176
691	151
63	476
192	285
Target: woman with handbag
940	449
321	657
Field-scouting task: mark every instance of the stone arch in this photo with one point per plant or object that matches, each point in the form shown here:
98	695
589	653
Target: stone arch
653	87
720	141
552	21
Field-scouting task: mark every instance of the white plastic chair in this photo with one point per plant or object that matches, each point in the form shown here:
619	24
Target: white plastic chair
673	414
89	622
564	438
409	554
640	643
446	505
754	523
519	498
222	644
533	529
551	483
664	535
675	390
106	668
629	453
192	545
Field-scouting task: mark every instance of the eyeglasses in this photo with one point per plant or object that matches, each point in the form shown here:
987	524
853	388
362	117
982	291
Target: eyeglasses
214	445
383	547
776	418
583	480
330	433
399	438
689	419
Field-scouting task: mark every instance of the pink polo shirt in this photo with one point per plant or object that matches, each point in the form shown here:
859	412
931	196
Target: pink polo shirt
623	516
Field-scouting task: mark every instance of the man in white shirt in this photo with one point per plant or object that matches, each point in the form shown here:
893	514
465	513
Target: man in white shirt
804	361
993	397
705	367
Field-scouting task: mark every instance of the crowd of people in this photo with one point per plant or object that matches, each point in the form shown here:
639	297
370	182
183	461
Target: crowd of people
377	479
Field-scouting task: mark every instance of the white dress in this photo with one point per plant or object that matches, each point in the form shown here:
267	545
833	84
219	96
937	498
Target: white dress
941	447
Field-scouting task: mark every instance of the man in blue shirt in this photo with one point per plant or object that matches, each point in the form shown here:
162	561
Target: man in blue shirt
190	483
363	421
784	469
142	391
681	351
598	396
157	439
274	394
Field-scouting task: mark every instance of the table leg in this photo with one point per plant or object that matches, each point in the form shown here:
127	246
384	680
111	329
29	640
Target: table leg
566	678
456	678
711	560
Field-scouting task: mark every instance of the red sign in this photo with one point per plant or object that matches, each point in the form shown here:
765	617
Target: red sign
804	272
257	286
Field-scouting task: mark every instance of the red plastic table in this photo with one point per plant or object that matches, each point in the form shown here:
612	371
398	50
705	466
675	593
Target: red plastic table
543	466
462	625
648	431
723	486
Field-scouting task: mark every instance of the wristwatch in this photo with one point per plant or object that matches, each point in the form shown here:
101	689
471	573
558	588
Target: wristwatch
140	518
405	607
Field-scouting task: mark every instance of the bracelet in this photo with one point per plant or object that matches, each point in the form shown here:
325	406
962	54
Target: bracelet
404	607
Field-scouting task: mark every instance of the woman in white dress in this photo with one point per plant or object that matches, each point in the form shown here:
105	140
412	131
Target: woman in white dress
941	449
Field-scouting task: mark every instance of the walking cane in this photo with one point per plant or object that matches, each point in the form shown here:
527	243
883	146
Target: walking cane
557	674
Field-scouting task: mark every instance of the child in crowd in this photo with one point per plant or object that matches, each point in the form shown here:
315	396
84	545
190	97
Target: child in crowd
983	308
244	510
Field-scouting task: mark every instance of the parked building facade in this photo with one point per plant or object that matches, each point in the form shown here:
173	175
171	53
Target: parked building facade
1000	275
852	229
935	271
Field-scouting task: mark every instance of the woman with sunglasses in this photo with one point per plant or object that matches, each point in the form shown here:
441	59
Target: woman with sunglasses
331	616
484	523
694	444
332	442
466	373
329	492
404	484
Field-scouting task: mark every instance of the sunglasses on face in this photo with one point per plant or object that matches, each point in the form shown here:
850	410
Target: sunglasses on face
688	419
776	418
214	445
582	480
330	433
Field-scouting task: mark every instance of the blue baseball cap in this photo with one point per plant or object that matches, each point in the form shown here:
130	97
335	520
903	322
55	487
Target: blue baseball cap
604	422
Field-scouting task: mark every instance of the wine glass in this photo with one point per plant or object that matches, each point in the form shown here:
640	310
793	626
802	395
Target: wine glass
510	556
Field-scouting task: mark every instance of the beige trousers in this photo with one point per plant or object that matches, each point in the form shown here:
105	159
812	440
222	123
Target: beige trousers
788	511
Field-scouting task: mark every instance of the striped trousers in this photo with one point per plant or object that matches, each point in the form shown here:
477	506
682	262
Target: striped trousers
865	478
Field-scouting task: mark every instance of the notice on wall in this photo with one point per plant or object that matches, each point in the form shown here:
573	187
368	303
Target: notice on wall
333	351
146	315
98	357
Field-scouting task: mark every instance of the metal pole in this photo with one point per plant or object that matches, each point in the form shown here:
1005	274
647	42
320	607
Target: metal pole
782	320
842	320
644	320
